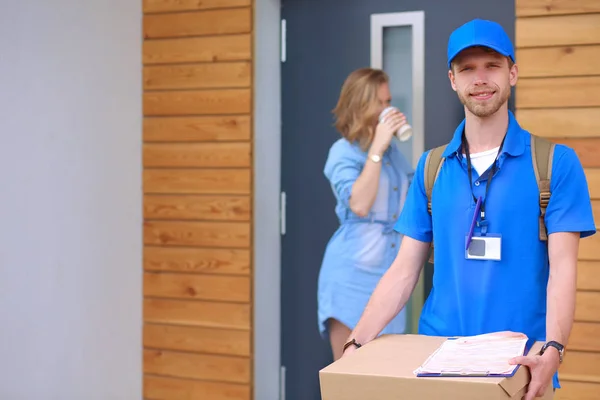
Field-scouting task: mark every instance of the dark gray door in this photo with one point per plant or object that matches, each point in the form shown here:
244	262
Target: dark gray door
325	41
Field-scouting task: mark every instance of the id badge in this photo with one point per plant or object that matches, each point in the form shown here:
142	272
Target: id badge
484	247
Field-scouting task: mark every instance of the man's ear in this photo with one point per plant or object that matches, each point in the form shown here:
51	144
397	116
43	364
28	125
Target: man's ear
513	75
451	77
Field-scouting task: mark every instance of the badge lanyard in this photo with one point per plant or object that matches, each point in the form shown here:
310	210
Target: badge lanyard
480	203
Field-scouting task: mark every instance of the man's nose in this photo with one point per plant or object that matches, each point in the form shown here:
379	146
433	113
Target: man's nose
480	78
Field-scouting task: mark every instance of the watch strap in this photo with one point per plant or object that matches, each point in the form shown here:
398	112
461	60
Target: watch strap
556	345
351	343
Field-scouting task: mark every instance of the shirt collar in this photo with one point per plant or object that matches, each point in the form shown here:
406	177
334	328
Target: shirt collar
514	144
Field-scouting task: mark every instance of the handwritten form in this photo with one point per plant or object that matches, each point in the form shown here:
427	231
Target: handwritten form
482	355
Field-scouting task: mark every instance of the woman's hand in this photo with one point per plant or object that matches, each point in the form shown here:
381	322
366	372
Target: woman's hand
385	129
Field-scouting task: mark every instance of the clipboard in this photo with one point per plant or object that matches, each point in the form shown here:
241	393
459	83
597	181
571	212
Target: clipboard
470	373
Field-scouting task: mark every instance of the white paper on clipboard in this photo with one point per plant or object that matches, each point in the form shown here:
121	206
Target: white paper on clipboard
481	355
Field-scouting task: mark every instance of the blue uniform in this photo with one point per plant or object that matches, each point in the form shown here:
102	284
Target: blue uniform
362	248
471	297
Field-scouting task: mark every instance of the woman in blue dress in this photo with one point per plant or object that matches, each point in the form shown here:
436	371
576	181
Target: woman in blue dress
369	177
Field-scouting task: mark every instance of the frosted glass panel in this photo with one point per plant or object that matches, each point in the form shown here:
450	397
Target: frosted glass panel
398	47
397	62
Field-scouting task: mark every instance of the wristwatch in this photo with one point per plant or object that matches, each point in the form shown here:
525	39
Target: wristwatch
350	343
557	346
375	158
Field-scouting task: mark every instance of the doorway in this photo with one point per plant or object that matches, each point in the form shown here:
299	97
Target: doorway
314	67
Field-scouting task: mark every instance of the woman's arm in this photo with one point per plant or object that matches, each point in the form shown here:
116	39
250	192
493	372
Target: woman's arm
364	190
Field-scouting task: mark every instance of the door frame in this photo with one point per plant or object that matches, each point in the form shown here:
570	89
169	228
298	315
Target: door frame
416	21
266	318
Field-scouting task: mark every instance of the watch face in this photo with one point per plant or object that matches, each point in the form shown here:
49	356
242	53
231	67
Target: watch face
375	158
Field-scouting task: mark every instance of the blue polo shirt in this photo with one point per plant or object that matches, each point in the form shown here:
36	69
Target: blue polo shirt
471	297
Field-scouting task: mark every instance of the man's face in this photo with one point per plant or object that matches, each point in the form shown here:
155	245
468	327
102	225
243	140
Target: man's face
482	79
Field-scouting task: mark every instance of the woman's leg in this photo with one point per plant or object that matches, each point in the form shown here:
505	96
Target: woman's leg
338	335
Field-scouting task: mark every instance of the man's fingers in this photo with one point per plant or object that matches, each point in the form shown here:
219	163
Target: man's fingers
542	391
535	389
532	391
524	360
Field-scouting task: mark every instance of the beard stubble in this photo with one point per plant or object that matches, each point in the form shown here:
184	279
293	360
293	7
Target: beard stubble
485	108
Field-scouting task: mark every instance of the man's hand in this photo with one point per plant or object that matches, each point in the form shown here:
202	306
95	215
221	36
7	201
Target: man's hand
349	350
542	370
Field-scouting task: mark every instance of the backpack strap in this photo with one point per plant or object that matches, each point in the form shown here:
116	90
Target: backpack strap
433	165
542	153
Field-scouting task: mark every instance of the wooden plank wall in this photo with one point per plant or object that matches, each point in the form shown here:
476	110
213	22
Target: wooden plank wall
558	96
197	104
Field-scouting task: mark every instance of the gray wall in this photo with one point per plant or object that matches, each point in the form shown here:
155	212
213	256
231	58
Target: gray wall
70	200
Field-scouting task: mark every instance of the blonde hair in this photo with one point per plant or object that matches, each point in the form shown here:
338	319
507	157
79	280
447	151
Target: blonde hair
358	106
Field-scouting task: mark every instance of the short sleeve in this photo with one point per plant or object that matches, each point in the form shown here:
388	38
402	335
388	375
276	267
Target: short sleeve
569	208
342	168
414	220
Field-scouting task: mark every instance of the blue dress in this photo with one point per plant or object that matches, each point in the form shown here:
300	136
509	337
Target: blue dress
362	248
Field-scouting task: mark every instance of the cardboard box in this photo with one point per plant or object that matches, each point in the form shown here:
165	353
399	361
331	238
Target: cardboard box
383	370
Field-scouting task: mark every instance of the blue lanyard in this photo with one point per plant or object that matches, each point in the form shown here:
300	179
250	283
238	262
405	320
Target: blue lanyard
465	145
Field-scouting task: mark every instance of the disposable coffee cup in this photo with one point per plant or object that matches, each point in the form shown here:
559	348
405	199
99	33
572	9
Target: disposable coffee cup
404	132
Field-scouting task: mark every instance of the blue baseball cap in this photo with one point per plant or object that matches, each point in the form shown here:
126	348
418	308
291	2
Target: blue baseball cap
479	32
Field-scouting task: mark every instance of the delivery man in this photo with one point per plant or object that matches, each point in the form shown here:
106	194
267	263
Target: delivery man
505	245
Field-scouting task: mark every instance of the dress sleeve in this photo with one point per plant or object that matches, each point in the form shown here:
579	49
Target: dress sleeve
342	168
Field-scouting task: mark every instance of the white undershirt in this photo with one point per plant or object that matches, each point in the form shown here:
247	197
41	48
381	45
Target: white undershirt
482	161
